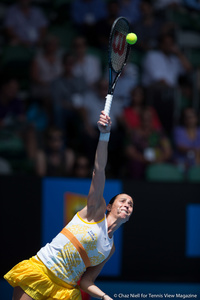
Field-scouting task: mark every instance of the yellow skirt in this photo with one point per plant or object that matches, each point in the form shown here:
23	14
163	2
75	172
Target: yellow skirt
40	283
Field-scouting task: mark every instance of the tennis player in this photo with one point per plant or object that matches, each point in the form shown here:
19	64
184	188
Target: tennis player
81	249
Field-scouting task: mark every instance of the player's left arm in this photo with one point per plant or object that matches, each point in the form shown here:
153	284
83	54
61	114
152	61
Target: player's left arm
89	277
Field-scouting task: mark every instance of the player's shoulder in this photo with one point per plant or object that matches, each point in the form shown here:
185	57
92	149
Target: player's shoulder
91	215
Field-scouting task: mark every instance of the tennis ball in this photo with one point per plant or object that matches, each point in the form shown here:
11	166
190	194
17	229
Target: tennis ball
131	38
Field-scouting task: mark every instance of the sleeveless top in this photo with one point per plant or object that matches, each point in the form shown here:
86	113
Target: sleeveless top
63	259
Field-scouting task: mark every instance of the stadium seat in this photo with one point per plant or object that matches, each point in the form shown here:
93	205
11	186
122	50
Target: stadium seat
193	174
164	172
15	62
66	33
16	53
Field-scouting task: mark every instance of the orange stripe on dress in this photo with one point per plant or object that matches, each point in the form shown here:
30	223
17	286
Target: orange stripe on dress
78	246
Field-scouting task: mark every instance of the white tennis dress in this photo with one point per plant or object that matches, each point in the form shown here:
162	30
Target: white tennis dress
63	259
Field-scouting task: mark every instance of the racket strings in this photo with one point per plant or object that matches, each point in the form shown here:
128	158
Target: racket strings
119	46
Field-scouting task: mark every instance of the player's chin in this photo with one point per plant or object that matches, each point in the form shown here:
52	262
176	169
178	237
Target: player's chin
125	217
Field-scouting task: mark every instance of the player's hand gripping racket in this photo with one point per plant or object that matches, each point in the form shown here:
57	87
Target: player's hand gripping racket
118	52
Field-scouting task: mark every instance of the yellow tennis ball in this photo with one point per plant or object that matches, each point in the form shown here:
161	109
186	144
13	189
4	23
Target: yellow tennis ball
131	38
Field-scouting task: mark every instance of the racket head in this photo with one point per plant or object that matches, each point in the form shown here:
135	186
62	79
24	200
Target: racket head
119	49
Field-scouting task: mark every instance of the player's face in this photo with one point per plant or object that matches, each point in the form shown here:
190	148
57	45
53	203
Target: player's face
123	207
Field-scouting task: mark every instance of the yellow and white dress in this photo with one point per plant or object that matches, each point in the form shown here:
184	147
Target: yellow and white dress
54	272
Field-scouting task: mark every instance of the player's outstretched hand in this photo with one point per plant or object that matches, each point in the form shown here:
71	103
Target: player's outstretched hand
104	123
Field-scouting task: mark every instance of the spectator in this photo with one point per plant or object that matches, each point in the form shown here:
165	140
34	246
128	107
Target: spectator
104	25
94	101
11	106
17	140
85	64
130	9
85	14
82	168
164	5
184	13
129	79
132	113
160	74
46	67
149	27
55	159
164	66
39	117
25	24
146	146
67	97
186	138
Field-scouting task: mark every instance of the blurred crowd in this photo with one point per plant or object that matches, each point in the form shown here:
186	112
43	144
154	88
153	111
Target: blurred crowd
54	80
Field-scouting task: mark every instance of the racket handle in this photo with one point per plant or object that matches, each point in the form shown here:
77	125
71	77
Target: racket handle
108	104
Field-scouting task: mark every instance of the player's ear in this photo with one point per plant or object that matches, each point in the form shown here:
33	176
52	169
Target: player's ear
109	207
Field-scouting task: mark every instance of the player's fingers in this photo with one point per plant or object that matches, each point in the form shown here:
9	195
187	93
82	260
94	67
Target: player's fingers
104	119
102	123
104	114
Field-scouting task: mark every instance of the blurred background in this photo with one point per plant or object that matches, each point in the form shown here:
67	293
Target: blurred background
53	83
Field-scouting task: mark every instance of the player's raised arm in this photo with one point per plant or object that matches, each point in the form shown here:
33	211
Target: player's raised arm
95	196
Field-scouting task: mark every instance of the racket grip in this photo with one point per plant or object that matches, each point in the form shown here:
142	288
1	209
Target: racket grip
108	104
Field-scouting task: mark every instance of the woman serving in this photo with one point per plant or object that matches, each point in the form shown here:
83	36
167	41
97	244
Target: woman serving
81	249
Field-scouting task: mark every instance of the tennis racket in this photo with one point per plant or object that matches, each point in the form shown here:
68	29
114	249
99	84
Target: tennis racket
118	52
